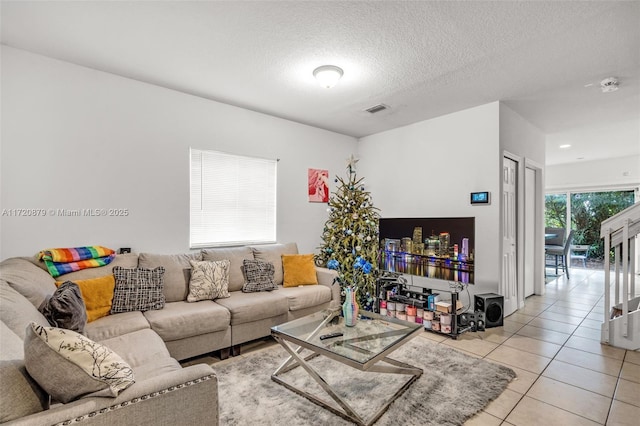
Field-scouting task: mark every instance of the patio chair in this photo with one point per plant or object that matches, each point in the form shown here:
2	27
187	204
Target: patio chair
580	252
561	253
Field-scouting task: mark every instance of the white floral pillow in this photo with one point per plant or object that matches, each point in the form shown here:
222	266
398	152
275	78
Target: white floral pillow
209	280
68	366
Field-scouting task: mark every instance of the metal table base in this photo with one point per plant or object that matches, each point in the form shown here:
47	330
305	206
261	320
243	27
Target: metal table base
347	412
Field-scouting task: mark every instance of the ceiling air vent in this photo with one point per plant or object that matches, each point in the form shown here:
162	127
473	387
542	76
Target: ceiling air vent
376	108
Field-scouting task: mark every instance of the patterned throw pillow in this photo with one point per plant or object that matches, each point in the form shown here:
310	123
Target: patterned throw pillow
138	289
258	276
69	366
209	280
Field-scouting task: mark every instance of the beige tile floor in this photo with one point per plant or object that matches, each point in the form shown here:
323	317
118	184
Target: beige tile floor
564	375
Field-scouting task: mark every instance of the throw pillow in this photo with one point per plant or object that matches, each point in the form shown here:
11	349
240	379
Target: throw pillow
209	280
138	289
258	276
68	366
97	294
65	308
299	269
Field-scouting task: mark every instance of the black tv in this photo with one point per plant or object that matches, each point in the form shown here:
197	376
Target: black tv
440	248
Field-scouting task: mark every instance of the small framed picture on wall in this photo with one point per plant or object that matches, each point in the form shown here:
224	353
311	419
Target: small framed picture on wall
318	183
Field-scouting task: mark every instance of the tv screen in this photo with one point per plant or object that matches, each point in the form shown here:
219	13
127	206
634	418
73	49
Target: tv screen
440	248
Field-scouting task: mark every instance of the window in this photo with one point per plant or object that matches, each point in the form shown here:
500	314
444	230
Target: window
555	213
586	210
233	199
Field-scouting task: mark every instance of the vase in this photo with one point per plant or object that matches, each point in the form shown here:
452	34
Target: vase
350	307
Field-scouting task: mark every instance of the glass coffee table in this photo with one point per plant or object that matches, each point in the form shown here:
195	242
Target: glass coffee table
365	346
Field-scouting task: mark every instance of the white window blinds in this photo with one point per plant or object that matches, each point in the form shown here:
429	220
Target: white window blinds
233	199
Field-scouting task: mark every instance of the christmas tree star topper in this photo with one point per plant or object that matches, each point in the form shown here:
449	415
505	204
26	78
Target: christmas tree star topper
351	163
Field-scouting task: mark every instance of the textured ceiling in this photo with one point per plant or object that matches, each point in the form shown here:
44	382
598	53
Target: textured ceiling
423	59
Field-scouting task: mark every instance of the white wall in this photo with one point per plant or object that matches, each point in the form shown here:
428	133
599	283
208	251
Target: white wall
520	137
74	138
524	142
606	174
428	169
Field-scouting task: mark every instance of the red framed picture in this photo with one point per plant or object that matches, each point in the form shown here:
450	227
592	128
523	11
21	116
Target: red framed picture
318	183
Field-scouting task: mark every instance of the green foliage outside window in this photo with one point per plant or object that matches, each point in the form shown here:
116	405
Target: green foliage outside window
588	210
555	213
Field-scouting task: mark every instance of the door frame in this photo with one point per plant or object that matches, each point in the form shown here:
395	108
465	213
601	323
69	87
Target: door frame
522	164
538	286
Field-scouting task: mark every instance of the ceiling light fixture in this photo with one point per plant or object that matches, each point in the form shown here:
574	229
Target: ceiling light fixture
565	146
328	75
609	85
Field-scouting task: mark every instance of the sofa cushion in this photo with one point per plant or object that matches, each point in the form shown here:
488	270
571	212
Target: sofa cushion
299	269
145	352
20	395
16	311
248	307
209	280
65	308
138	289
97	294
116	325
179	320
235	255
258	276
70	366
177	272
30	281
273	253
128	260
304	297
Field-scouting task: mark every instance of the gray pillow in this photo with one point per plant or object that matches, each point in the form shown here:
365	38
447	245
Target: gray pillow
258	276
65	308
138	289
68	365
21	395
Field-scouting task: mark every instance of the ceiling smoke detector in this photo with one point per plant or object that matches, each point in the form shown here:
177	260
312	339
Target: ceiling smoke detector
609	85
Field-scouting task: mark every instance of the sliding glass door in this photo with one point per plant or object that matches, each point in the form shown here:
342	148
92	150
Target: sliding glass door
584	211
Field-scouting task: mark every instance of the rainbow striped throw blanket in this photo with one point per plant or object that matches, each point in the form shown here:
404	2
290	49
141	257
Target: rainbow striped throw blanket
64	260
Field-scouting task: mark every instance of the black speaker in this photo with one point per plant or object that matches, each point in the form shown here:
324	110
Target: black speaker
463	318
480	322
471	321
492	306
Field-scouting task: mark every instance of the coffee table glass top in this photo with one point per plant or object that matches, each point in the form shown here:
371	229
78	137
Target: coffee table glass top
372	335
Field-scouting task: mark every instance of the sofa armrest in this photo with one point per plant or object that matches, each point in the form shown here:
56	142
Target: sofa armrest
326	278
159	400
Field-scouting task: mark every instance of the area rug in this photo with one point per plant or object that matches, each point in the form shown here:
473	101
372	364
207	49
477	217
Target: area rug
453	387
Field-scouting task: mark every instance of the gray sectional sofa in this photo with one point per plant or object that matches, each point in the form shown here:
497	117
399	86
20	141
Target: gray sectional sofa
151	342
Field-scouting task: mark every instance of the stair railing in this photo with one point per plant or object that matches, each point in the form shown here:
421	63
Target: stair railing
620	232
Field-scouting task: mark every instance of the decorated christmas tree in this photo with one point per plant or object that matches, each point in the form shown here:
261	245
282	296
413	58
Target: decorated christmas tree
350	237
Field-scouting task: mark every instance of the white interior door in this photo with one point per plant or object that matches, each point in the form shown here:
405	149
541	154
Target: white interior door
509	278
529	230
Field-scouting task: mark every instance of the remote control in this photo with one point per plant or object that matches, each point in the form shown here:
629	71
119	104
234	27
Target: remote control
330	336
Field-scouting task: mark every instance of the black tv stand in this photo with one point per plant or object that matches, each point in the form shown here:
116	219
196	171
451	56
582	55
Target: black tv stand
418	297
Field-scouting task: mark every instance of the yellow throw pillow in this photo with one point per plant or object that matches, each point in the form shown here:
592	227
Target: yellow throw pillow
299	269
97	294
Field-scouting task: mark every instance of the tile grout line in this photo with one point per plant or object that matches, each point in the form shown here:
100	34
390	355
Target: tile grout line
554	357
